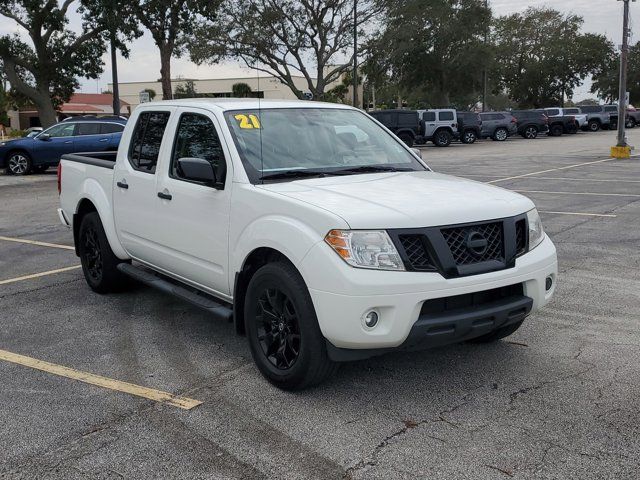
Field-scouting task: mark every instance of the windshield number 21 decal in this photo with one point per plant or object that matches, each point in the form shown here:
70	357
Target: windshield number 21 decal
247	121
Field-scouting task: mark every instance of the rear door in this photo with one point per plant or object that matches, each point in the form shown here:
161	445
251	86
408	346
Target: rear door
89	138
114	130
135	193
193	218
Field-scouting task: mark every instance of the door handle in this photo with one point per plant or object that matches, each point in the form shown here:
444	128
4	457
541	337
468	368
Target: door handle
68	141
104	139
165	196
122	184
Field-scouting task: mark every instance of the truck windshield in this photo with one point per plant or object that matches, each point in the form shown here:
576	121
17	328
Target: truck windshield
291	143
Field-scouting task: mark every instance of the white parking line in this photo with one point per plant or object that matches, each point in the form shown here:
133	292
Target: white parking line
581	193
554	169
38	275
36	242
583	214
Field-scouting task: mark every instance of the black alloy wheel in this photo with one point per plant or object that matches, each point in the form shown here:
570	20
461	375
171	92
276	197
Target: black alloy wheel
92	254
278	328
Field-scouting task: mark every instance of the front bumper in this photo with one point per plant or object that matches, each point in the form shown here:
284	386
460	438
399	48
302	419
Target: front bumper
343	295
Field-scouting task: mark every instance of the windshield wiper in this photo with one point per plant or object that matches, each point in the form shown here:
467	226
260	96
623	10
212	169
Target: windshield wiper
293	174
370	169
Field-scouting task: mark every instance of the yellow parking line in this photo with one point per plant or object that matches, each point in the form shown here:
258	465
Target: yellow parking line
583	214
97	380
38	275
581	193
35	242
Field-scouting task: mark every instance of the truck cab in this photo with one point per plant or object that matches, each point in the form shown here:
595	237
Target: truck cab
314	229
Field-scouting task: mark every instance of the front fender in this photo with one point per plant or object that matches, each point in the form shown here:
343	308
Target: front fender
93	191
287	235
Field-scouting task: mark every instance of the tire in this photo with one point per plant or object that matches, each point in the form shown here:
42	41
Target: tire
99	263
530	132
442	138
500	135
469	137
631	123
556	130
497	334
594	125
19	163
407	139
278	292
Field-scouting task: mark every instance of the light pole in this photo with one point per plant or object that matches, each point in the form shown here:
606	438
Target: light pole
355	53
622	149
484	72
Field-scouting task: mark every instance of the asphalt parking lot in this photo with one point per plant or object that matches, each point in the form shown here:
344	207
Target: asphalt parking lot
559	399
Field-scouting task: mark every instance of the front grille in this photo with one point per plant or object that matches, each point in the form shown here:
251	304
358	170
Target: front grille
457	239
416	253
438	306
521	237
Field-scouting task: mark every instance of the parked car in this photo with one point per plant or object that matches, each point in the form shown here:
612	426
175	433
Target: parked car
531	123
581	118
469	127
633	117
598	116
35	154
498	126
404	123
439	126
348	249
559	125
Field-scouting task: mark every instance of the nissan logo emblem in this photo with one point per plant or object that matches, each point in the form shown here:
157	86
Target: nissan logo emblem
476	243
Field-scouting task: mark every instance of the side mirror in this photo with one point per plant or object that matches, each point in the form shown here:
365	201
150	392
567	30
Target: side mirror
44	137
417	152
198	170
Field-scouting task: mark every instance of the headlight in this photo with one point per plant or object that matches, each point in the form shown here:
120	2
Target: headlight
536	232
365	249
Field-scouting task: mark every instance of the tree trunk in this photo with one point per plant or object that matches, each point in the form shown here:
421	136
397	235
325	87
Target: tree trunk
165	73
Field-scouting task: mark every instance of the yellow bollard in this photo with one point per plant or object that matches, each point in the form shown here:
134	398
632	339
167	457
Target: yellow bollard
621	152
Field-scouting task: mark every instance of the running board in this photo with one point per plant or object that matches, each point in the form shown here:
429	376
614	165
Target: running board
155	280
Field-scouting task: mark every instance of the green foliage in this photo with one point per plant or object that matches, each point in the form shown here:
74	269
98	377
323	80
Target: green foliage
152	93
241	90
541	56
45	68
605	80
186	90
433	50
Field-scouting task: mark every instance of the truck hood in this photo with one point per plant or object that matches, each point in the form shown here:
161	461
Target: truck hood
404	200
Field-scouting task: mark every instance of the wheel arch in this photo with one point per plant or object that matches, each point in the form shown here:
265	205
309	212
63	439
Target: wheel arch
253	262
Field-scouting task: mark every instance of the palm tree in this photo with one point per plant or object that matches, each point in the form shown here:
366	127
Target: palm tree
241	90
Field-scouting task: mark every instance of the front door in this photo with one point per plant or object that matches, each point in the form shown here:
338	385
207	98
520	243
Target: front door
193	217
58	141
134	190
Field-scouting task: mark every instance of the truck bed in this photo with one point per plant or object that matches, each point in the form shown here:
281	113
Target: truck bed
98	159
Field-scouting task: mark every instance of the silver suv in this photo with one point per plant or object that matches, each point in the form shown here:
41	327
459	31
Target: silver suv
439	126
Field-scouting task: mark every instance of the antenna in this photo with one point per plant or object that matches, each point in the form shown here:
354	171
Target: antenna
260	129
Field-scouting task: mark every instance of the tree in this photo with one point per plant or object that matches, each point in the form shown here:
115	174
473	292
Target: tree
284	38
606	78
433	49
186	90
587	101
241	90
541	56
169	22
45	67
151	92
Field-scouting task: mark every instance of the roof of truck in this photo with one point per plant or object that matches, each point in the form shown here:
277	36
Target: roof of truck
225	104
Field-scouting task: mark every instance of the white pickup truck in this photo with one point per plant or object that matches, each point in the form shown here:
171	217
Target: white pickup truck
310	226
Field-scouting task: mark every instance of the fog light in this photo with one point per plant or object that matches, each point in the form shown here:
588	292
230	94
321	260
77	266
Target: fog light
371	319
548	283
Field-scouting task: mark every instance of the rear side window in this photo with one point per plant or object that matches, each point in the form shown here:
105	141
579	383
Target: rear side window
408	119
591	109
445	116
88	129
146	140
429	116
552	112
111	128
571	111
611	108
383	118
197	137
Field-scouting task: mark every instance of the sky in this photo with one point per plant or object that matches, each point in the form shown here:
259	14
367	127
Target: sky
600	16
